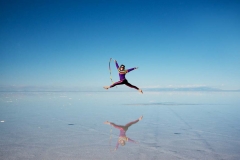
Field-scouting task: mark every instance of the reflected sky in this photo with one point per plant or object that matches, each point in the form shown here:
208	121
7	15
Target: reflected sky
69	125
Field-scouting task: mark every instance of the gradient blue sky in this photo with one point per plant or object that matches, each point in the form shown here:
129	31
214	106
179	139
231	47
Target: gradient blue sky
69	43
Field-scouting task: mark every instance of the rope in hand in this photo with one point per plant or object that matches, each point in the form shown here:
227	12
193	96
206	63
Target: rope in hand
110	140
110	70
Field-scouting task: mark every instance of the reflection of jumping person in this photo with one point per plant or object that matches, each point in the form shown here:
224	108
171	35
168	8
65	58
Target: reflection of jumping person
123	80
123	129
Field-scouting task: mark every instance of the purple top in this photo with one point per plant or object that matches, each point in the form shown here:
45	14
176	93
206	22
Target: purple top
122	73
123	134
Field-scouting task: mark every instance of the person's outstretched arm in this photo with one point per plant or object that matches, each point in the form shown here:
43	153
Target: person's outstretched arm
116	64
116	146
131	69
130	140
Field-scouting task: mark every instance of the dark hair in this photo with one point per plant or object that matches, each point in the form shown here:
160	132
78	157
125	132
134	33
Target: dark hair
122	66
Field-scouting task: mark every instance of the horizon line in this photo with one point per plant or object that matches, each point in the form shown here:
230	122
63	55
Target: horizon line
120	89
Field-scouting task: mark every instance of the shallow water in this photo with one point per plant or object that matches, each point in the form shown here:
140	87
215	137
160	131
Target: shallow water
69	125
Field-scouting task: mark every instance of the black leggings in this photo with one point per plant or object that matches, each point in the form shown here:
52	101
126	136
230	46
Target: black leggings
125	128
124	82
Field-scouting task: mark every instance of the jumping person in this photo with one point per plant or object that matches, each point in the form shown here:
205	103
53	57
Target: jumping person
122	72
123	129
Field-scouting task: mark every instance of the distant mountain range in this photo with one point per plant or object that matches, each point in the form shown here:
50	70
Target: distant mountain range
37	89
191	89
79	89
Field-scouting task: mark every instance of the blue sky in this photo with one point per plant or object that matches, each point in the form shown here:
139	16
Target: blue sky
46	43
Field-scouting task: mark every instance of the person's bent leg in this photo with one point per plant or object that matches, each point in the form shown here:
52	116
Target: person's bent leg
130	85
116	83
131	123
116	126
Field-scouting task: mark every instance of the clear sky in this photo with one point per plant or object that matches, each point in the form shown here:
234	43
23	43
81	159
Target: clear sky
68	43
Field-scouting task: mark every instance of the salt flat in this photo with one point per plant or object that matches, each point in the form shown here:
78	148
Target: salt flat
69	125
